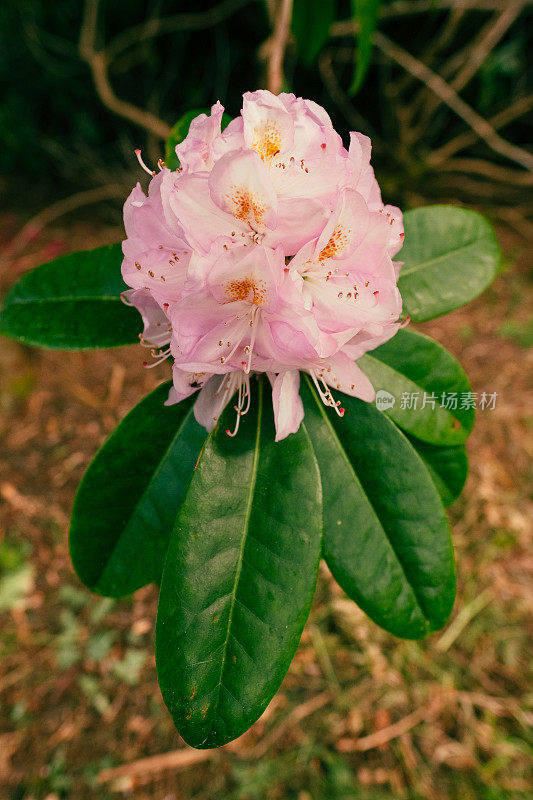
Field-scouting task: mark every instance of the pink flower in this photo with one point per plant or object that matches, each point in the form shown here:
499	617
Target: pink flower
268	250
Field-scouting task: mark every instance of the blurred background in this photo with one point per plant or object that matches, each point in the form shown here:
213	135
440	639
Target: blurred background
443	87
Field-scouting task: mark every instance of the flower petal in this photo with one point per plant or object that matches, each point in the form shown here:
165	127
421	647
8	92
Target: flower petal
194	152
345	376
287	403
239	185
212	400
268	128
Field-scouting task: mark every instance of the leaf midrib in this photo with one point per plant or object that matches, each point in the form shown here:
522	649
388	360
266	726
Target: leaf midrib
435	260
238	571
344	455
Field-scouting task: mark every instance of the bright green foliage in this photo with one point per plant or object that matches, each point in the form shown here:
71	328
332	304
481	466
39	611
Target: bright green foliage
450	256
413	363
386	536
365	15
129	497
239	577
311	20
72	303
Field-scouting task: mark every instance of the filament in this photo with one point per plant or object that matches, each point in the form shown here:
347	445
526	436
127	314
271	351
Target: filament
150	172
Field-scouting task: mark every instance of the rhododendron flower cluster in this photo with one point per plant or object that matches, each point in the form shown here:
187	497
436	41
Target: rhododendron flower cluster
268	250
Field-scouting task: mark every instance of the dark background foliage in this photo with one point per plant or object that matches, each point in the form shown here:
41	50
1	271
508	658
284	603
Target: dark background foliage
57	136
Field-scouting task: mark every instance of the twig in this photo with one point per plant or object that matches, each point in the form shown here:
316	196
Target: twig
295	717
341	100
488	170
274	48
58	209
177	759
521	106
174	22
450	97
490	36
467	61
321	650
478	188
518	221
434	47
98	61
393	731
401	8
405	8
466	614
499	706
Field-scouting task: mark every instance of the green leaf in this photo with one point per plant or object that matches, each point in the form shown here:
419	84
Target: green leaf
450	256
239	577
365	15
72	303
448	467
311	20
180	131
128	500
417	365
386	535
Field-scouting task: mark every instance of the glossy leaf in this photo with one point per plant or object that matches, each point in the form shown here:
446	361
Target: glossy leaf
421	370
128	500
365	15
239	577
450	256
180	131
311	20
386	535
448	467
72	303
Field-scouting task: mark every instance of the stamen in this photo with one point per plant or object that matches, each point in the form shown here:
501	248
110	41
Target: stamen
243	402
143	165
325	393
162	356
